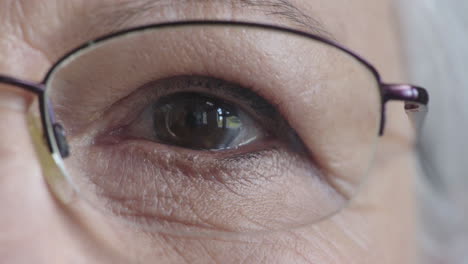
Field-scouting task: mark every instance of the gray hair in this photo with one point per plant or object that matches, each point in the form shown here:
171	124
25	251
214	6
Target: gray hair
435	34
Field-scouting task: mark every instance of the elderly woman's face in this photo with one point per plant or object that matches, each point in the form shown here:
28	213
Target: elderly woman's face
148	193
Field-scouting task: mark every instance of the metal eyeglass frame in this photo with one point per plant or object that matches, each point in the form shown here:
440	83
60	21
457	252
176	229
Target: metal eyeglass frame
416	98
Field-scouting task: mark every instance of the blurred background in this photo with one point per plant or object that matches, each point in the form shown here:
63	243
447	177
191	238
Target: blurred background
435	37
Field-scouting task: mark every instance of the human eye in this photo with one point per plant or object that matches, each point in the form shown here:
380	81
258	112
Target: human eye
215	128
200	113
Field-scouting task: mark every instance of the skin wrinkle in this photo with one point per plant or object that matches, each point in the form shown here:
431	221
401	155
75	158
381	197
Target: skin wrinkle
172	195
252	256
9	44
188	203
197	214
180	253
23	31
286	242
293	244
208	253
189	168
252	249
314	251
127	12
288	10
331	250
357	237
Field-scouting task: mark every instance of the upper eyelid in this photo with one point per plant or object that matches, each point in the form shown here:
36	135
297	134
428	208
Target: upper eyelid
244	94
235	93
139	97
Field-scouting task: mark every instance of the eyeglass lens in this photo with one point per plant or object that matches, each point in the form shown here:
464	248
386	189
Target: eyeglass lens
217	127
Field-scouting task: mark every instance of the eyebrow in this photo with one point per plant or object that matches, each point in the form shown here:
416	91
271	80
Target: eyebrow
122	14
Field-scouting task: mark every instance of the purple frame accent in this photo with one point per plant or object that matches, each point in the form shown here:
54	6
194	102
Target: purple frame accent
415	98
405	92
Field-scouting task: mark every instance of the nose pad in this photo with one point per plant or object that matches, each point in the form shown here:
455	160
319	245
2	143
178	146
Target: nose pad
62	143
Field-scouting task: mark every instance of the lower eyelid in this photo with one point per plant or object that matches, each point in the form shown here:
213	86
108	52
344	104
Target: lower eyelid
232	169
228	171
266	144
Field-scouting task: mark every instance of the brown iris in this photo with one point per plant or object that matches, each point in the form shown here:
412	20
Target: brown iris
196	121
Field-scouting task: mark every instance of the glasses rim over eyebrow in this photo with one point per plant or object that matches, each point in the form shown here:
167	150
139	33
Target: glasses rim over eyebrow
415	98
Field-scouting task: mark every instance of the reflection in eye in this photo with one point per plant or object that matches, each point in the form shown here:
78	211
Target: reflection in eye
199	120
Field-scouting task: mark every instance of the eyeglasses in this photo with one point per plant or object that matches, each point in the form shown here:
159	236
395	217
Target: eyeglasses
215	125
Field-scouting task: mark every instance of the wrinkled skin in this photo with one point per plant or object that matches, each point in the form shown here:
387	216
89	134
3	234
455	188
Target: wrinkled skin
377	227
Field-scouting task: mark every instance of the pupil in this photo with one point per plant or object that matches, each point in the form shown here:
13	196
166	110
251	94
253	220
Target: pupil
196	121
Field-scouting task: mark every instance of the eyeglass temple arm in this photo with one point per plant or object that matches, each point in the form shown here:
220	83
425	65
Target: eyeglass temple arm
416	100
29	86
